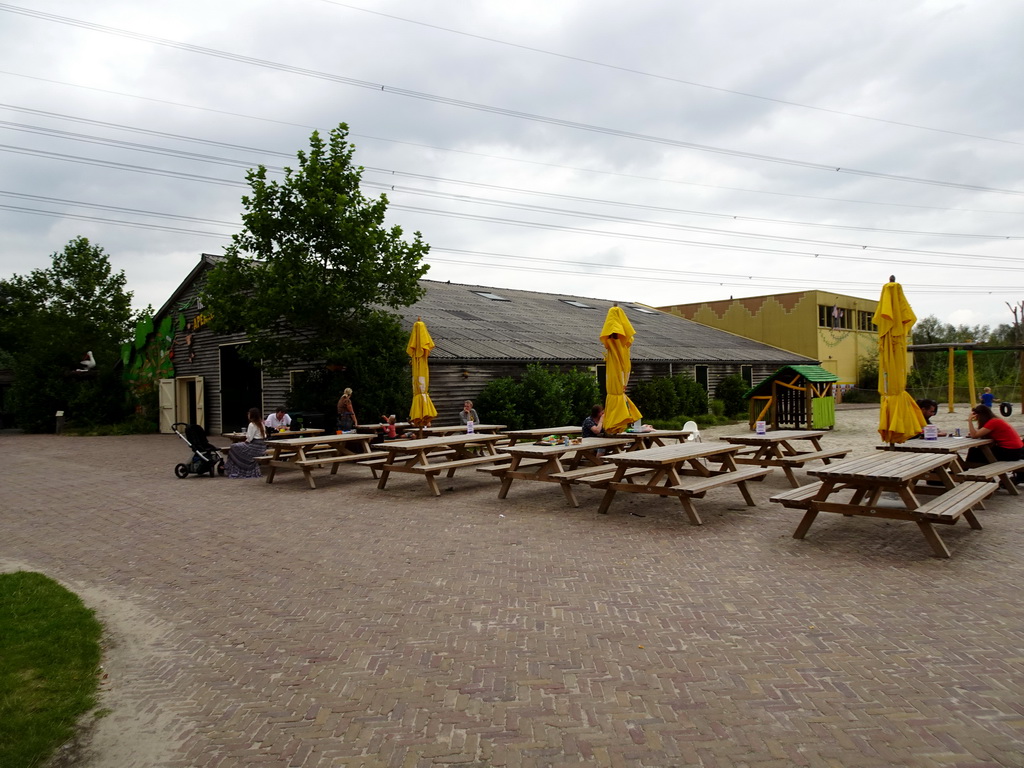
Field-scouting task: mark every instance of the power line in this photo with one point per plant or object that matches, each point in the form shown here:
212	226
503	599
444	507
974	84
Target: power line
489	109
504	158
666	78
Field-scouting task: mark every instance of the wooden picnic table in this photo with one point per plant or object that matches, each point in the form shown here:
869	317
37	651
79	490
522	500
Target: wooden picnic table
555	463
682	470
656	437
856	487
429	456
1000	472
275	434
776	449
375	428
461	429
307	453
530	435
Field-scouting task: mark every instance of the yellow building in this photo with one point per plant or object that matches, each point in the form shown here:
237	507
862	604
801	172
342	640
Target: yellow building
829	327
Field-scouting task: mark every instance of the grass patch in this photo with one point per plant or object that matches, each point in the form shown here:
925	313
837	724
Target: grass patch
49	660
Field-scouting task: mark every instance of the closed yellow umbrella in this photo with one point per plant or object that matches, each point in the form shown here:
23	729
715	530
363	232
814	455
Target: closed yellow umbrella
617	337
899	418
420	344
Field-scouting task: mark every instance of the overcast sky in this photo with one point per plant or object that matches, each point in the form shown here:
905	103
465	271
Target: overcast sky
661	151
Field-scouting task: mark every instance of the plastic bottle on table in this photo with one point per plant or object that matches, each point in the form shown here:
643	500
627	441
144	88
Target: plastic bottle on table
469	427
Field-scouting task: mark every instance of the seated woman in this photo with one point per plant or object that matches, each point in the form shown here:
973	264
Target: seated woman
241	458
593	425
1008	445
468	414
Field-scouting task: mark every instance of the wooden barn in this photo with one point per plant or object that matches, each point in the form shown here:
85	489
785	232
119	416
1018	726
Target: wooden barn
481	333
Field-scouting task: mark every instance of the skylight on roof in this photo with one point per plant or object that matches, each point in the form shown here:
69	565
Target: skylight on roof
644	310
491	296
579	304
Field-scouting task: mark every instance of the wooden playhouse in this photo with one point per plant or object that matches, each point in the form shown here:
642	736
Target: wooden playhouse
795	397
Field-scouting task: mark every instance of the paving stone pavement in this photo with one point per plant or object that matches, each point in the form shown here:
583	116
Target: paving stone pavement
256	624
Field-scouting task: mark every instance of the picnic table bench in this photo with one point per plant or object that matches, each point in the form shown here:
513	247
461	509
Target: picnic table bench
1000	472
544	463
421	456
776	449
682	470
308	453
855	487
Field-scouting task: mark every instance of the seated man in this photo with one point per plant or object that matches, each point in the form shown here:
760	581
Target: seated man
279	419
928	409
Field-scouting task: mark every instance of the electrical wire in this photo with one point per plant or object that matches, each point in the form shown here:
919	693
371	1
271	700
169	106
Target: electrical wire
490	109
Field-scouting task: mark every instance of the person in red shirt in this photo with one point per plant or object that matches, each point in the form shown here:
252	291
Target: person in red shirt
1007	442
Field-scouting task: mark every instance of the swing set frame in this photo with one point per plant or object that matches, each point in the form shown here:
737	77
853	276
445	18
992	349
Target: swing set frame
971	347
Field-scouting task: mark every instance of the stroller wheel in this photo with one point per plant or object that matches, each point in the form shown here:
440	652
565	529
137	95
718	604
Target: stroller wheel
181	470
220	468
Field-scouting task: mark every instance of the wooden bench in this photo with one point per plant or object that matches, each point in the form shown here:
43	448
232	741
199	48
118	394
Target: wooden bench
798	459
698	486
596	477
524	464
320	461
797	498
441	466
958	500
999	471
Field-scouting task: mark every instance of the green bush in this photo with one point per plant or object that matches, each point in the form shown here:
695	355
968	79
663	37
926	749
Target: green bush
730	391
581	393
656	398
717	408
693	399
543	397
499	400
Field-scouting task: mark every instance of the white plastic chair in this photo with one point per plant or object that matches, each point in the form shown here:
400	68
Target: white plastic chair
694	436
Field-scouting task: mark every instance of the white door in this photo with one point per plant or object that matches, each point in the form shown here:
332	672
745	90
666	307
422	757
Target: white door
166	390
200	403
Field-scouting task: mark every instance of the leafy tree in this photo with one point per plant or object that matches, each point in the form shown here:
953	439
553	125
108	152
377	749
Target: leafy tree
49	320
314	272
730	391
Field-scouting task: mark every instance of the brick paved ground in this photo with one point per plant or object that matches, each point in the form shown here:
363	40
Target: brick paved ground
273	625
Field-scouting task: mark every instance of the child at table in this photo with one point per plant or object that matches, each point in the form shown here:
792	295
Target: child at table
388	428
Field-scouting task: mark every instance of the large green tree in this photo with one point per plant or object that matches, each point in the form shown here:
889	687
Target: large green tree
314	274
49	320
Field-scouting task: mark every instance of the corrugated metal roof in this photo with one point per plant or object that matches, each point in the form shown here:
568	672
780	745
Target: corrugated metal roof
541	326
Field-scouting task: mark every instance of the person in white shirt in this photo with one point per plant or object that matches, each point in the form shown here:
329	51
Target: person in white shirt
279	419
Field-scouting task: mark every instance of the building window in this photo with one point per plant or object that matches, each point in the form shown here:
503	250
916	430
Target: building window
747	372
864	322
491	296
834	316
573	303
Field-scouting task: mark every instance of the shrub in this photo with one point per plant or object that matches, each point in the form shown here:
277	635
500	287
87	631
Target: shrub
543	397
717	409
581	393
730	391
693	399
499	400
656	398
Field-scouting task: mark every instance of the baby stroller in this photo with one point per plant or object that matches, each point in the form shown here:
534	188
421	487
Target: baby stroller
205	457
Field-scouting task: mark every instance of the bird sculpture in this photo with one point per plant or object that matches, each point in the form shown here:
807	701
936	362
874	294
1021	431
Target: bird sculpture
88	363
